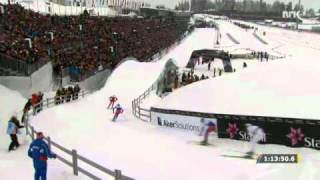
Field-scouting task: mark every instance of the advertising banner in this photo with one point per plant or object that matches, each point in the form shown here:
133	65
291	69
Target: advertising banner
279	130
187	123
289	132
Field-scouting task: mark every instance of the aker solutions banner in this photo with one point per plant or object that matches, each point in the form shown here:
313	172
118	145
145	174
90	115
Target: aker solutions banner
187	123
285	131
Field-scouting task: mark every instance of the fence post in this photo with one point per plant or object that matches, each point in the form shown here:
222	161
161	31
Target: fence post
118	175
133	107
75	162
139	112
82	94
49	143
150	115
32	133
25	118
47	102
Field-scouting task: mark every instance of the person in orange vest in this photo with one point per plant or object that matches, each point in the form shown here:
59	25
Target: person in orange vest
112	100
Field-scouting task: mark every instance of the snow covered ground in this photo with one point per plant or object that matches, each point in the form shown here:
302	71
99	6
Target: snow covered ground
16	164
279	88
148	152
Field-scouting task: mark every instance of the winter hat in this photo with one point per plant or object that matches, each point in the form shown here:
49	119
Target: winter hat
40	135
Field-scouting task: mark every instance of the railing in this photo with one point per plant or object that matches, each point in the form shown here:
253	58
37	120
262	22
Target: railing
19	66
234	40
141	113
145	114
260	39
75	157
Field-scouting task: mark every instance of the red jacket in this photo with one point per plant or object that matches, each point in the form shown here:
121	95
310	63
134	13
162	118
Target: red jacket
34	99
113	99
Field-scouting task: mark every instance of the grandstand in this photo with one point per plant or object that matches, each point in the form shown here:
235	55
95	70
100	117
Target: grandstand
78	45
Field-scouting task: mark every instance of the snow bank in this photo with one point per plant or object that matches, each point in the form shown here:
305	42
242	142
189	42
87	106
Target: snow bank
16	164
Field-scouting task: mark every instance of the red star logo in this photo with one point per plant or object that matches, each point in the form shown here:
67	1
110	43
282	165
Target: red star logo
295	135
232	129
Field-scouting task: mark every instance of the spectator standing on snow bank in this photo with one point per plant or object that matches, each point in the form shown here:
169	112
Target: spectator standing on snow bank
57	97
69	93
40	152
118	110
13	130
112	100
40	98
76	91
244	65
34	101
266	55
26	109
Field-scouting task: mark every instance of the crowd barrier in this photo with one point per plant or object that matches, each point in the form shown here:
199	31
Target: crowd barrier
234	40
260	39
20	67
76	158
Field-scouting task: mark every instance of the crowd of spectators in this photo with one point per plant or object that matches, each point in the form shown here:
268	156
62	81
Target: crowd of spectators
67	94
260	55
35	102
190	77
80	44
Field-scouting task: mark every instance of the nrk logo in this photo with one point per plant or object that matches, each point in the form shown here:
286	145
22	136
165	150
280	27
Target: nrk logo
296	136
177	124
232	130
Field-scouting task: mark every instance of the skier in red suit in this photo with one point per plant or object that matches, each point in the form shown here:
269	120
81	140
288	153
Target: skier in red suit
112	100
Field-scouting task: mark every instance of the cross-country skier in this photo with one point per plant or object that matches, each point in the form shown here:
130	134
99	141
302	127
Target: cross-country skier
256	135
118	110
207	127
112	100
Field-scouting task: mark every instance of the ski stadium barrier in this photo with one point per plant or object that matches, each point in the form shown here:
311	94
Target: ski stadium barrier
16	67
234	40
260	39
76	158
292	132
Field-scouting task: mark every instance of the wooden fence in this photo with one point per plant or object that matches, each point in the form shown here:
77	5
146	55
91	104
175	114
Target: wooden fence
145	114
141	113
74	156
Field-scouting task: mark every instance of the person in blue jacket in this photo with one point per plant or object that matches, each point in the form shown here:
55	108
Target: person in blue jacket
39	151
118	110
207	126
13	130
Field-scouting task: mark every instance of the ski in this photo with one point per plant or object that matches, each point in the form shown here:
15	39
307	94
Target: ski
240	156
199	143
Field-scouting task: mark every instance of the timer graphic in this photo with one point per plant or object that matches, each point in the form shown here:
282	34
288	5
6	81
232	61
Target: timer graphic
278	158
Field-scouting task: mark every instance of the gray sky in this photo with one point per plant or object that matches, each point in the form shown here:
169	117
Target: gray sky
315	4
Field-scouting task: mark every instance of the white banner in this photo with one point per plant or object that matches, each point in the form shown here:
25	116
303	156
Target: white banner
188	123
